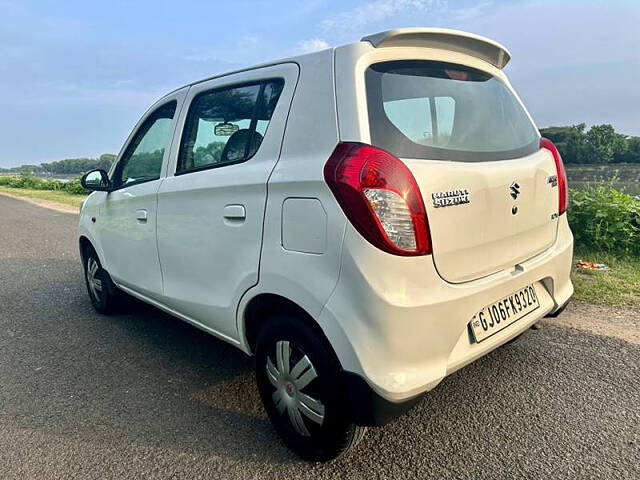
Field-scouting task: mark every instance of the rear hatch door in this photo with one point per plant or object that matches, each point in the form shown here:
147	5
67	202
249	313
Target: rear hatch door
489	189
488	216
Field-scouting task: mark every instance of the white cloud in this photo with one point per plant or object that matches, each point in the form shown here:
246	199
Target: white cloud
312	45
468	13
375	12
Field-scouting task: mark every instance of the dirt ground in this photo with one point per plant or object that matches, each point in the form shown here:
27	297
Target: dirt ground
619	322
59	207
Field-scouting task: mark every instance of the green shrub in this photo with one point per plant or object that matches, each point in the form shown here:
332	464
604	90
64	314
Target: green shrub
605	219
74	187
5	181
35	183
44	184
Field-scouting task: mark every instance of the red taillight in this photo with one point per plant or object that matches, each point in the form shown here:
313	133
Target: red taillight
380	197
563	191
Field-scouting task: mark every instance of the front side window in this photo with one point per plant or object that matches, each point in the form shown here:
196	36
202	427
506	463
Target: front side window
142	160
443	111
227	125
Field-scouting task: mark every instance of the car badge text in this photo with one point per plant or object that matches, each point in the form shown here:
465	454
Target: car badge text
450	198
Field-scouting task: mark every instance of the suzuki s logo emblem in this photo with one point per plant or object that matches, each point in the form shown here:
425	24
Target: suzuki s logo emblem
514	189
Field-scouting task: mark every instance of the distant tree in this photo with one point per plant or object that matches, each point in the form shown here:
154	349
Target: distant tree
602	144
208	155
632	153
620	147
599	144
143	165
28	169
76	166
569	140
105	161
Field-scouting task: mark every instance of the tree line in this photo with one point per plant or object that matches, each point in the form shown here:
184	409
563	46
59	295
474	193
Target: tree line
69	166
599	144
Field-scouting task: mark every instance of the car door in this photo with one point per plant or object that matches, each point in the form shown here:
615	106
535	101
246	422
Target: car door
211	209
126	224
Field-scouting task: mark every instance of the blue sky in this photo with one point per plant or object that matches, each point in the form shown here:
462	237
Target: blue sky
76	75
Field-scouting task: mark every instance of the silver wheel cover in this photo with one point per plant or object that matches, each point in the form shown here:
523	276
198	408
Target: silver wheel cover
289	383
95	284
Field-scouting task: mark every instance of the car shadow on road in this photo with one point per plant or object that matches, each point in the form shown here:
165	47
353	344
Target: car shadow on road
205	386
140	377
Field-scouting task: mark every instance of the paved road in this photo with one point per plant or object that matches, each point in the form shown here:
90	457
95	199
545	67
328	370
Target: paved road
142	395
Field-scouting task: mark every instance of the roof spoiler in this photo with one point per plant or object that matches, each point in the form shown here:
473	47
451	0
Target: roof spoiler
443	38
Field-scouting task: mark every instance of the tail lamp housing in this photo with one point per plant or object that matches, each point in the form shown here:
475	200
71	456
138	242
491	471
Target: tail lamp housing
380	197
563	190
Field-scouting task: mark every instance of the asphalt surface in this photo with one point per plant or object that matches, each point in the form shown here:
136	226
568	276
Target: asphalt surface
143	395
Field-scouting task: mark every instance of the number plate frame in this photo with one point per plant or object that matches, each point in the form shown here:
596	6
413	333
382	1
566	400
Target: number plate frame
497	316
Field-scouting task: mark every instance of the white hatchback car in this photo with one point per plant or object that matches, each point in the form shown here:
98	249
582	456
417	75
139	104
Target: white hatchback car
365	220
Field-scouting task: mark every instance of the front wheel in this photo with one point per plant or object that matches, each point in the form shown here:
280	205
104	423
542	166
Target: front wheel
298	379
101	289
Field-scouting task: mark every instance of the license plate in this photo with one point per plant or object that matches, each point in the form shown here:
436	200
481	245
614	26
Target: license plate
493	318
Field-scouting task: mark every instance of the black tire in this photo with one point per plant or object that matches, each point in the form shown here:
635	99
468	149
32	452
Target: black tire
337	431
105	300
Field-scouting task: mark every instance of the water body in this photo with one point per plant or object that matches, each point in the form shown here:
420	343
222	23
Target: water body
632	188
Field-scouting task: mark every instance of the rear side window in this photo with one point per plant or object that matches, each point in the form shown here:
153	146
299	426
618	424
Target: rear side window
226	126
443	111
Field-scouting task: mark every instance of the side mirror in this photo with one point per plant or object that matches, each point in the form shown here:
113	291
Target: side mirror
96	180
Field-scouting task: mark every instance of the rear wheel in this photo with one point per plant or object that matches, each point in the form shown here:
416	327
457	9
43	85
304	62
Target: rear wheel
297	376
102	291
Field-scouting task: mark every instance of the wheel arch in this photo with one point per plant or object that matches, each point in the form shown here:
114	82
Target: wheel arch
367	407
265	306
83	244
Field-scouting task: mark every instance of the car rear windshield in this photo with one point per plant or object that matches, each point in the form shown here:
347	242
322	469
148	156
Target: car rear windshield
444	111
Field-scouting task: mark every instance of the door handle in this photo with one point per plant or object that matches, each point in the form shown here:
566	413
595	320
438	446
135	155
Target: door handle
141	215
234	212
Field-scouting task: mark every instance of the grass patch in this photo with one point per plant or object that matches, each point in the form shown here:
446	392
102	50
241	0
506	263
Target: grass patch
56	196
618	286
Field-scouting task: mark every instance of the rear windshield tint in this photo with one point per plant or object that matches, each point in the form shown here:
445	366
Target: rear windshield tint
444	111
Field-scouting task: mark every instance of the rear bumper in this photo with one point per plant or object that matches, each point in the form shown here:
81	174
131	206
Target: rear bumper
398	326
555	313
367	406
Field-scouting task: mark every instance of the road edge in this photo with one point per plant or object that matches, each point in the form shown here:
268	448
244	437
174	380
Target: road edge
58	207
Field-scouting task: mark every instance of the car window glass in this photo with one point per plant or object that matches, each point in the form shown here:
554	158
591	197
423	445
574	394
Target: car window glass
226	126
445	109
413	117
424	120
431	110
142	161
